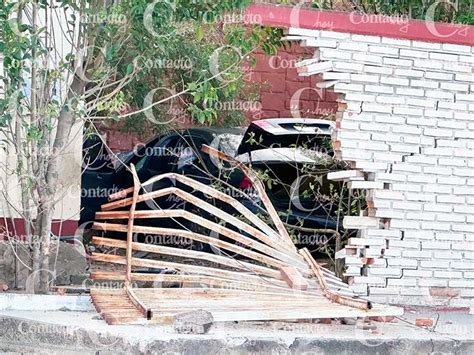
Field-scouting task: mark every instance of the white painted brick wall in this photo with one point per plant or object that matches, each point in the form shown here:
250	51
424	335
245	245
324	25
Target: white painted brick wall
411	129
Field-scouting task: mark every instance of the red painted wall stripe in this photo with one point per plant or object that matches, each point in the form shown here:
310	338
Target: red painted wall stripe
284	16
16	228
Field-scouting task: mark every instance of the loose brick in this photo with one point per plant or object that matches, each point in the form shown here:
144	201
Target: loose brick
319	43
293	278
424	322
356	67
365	185
383	319
336	76
345	174
365	241
443	292
351	222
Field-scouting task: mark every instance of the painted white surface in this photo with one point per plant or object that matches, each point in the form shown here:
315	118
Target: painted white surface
68	192
31	302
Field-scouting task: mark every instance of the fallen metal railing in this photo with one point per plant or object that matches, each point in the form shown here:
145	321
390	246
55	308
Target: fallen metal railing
271	280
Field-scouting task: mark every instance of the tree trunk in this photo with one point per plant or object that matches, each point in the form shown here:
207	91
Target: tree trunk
46	187
41	268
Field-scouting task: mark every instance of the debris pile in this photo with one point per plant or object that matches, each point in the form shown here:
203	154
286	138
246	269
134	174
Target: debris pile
257	273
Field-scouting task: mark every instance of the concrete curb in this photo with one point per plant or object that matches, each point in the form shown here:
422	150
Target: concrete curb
31	302
18	334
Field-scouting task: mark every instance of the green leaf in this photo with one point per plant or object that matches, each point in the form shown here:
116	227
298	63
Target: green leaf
199	33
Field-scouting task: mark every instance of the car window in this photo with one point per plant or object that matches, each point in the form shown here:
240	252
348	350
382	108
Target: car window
158	155
141	163
189	159
186	154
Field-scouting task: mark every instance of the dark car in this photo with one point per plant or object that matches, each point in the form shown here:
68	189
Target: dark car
292	156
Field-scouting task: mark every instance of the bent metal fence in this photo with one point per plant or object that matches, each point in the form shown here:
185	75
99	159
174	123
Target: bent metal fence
258	274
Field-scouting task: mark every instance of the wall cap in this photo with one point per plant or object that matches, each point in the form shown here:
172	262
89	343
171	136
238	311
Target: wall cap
381	25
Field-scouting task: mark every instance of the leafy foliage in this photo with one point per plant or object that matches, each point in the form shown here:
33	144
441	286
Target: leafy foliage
171	46
459	11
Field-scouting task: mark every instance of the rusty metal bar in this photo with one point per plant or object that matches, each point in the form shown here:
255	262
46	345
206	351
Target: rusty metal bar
131	218
260	189
334	297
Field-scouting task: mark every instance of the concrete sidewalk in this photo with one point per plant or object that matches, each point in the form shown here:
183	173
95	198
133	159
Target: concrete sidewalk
85	332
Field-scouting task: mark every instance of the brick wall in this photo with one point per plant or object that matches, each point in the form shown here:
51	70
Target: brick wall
406	124
119	141
284	93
